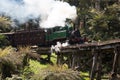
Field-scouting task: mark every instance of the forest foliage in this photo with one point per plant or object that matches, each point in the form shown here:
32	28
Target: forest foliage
99	19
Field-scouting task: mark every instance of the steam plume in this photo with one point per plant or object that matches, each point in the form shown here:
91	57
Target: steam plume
51	12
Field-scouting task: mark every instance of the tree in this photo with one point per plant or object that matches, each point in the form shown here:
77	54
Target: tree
100	18
105	24
5	24
3	41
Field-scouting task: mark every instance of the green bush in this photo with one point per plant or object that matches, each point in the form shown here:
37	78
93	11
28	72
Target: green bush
3	41
12	62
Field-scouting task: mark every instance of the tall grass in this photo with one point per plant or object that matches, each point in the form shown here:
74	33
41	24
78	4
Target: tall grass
24	50
16	61
13	62
6	51
55	72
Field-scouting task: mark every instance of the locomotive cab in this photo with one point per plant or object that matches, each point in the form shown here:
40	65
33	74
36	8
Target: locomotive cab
58	33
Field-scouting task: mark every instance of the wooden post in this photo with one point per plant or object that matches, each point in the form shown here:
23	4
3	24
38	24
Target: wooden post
115	65
58	58
73	60
49	57
77	62
119	59
115	59
99	66
61	58
1	65
95	55
69	60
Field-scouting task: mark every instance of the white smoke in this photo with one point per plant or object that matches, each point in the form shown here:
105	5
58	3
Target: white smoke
51	12
58	46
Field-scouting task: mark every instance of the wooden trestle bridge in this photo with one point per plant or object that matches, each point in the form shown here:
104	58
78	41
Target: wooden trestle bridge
92	56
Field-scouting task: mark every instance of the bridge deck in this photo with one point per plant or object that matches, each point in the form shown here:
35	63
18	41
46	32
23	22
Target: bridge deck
96	45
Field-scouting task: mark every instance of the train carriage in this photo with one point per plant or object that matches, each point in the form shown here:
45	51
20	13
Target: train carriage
25	37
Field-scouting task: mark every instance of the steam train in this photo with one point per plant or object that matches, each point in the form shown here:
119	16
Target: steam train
45	37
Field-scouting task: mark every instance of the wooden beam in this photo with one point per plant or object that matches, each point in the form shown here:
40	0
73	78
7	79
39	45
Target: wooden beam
115	60
95	56
99	66
70	60
73	60
115	64
58	58
119	59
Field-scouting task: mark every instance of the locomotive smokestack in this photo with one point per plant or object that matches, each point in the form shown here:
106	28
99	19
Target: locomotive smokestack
51	12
